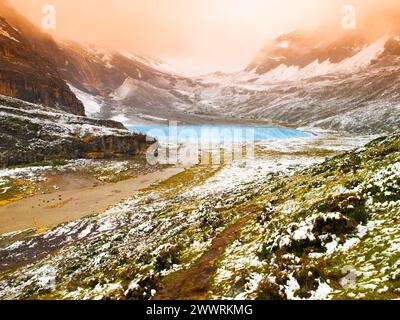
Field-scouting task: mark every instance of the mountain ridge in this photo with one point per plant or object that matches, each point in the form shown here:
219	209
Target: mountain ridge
316	79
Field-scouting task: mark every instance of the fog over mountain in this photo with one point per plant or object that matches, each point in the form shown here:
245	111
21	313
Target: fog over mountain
202	36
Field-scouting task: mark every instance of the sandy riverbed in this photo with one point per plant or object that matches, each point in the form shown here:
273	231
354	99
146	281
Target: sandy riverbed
49	210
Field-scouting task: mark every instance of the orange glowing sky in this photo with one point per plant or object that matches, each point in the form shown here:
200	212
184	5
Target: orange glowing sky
194	36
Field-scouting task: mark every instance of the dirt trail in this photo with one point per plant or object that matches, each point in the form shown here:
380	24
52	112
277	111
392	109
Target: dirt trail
194	283
49	210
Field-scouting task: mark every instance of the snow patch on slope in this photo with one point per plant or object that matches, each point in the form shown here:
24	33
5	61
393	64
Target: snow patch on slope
316	68
283	73
126	90
154	63
91	103
121	118
103	55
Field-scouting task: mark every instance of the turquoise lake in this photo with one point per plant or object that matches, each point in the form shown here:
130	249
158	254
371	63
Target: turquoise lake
191	133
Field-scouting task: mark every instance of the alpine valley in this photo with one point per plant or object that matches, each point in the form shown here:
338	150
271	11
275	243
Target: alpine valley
83	215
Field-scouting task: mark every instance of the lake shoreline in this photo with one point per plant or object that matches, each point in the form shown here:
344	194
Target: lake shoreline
209	133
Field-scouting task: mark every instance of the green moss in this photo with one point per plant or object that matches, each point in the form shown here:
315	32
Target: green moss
167	257
33	127
349	204
192	176
12	192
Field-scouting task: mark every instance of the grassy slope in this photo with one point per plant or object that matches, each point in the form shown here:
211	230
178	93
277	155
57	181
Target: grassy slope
149	238
331	231
305	236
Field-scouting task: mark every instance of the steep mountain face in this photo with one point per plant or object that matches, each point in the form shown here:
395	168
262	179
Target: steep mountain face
332	44
348	83
119	85
331	79
25	72
120	82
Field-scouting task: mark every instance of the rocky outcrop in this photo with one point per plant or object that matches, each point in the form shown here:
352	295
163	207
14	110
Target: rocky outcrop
32	133
37	68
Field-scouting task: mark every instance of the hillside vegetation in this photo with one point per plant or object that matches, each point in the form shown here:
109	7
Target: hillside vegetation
245	231
331	231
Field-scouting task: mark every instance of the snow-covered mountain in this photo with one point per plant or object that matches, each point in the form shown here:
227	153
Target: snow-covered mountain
302	49
113	84
357	91
334	79
346	83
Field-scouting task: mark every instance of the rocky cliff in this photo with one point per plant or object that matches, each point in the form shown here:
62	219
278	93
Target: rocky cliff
25	71
32	133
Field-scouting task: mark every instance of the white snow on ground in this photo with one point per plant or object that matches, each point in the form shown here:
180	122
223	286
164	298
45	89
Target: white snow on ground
372	114
102	170
248	171
67	124
126	89
121	118
323	291
32	174
151	226
117	166
368	251
91	103
322	141
291	287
